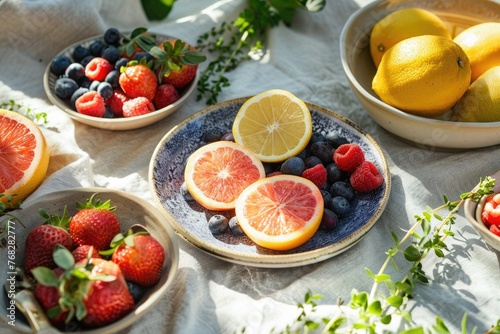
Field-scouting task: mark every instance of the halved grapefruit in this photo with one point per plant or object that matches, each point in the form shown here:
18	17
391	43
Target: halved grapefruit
24	157
280	212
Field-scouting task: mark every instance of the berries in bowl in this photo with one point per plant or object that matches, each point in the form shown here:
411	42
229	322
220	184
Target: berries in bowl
120	81
59	253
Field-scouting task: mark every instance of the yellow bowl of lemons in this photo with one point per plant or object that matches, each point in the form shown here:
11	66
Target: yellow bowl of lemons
428	72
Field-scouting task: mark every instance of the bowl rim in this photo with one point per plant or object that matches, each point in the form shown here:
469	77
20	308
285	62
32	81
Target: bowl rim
186	92
347	70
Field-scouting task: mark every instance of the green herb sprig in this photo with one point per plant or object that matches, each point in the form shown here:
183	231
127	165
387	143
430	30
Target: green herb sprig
375	308
232	43
37	117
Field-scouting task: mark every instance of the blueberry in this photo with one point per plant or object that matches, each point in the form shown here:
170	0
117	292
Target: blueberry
235	227
105	90
322	150
79	53
340	206
312	161
112	36
86	60
293	166
334	173
108	113
228	137
185	192
65	87
316	137
59	65
79	92
334	139
139	55
270	167
327	198
96	48
112	78
329	220
111	54
211	137
303	154
76	71
218	224
94	85
121	62
344	189
137	291
86	83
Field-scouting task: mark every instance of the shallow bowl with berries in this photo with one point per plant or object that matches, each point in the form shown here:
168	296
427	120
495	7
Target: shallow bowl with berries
427	132
132	299
108	81
194	223
484	215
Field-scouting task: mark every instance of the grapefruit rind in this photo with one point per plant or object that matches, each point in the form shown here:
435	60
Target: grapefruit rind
217	173
280	212
13	149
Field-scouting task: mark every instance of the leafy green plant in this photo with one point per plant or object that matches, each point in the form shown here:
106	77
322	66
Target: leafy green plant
38	117
232	43
375	308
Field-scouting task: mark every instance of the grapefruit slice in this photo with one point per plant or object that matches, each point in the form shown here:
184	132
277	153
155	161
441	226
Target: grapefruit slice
24	156
218	172
280	212
274	124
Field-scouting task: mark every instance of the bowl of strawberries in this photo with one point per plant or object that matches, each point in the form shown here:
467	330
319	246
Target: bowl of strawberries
89	259
123	81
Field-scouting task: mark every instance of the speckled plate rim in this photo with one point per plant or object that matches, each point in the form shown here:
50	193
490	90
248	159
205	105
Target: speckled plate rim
275	260
121	123
173	251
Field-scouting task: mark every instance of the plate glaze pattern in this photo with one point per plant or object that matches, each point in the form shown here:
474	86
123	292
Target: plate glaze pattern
190	220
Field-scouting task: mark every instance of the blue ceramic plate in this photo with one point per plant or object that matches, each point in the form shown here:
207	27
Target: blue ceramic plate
190	220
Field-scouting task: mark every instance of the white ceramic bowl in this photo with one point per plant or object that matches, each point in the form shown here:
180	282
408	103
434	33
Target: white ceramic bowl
130	210
360	70
473	214
119	123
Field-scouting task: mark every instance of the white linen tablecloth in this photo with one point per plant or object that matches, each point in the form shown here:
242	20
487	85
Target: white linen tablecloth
210	295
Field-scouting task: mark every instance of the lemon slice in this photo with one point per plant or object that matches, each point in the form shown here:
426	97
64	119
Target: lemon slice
274	124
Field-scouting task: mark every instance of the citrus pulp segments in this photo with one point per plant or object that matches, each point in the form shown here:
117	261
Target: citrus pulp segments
280	212
218	172
24	156
274	124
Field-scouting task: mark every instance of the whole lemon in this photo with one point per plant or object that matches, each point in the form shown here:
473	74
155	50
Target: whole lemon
481	102
402	24
481	43
423	75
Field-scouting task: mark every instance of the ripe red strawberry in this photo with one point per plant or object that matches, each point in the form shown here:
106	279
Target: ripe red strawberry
82	252
317	174
94	224
91	103
491	210
140	258
366	177
183	63
139	80
137	106
48	298
180	79
348	157
116	101
165	96
42	240
98	68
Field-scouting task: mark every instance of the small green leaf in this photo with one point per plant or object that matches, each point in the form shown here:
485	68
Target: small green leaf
395	301
63	257
382	278
157	10
412	254
375	308
45	276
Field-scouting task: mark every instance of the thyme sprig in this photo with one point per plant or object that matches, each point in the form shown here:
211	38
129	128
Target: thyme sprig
235	42
376	309
36	116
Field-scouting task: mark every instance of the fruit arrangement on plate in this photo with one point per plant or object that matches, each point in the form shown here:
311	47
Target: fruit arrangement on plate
257	181
116	76
427	70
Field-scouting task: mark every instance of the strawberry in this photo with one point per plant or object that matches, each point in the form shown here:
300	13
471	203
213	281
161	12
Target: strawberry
137	106
137	79
491	210
165	96
366	177
82	252
48	297
94	224
42	239
181	78
140	257
92	290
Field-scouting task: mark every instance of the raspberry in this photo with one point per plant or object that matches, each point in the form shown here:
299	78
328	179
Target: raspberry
316	174
366	177
138	106
348	157
91	103
166	94
116	101
98	68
